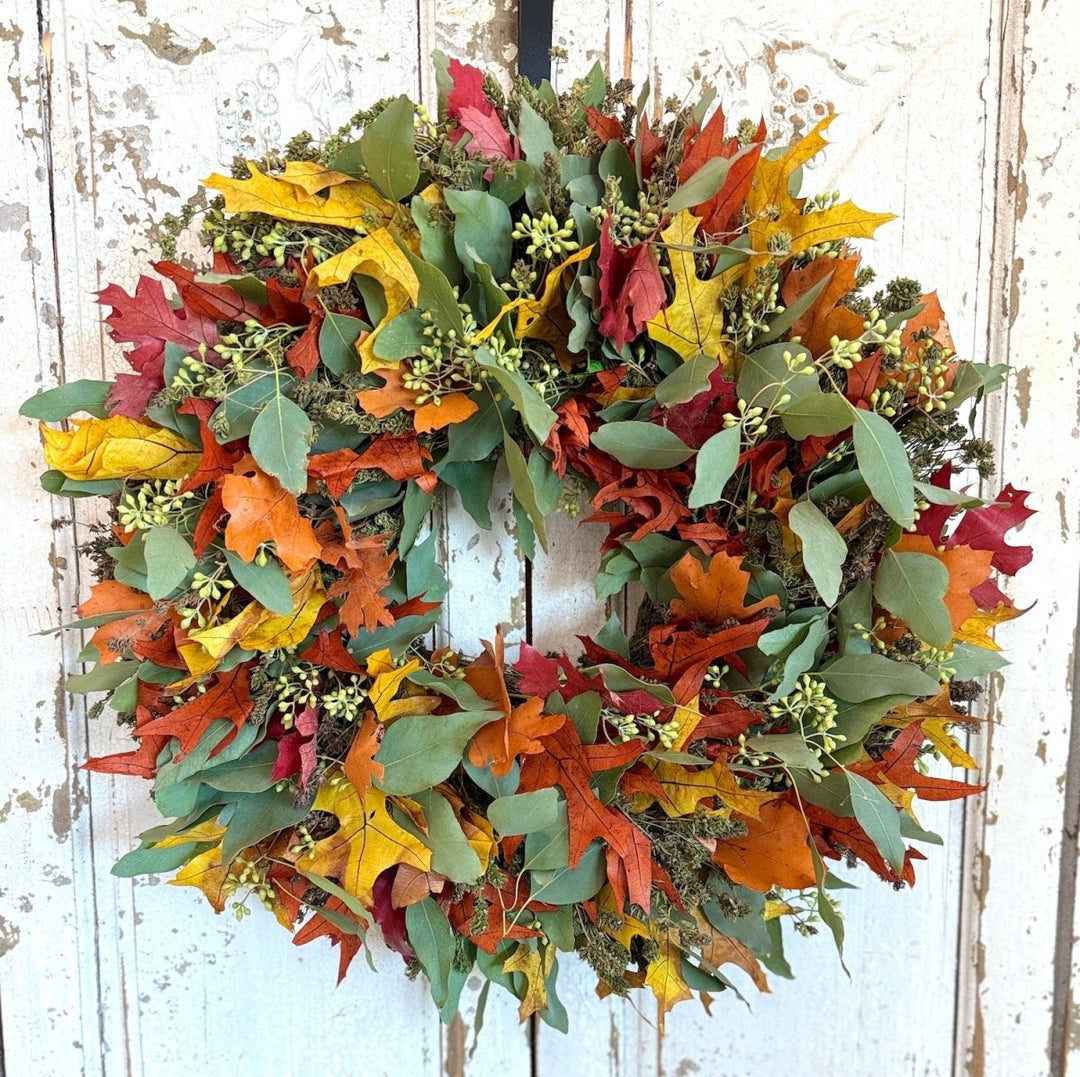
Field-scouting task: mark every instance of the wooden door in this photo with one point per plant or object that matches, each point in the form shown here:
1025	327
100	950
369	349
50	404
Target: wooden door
958	114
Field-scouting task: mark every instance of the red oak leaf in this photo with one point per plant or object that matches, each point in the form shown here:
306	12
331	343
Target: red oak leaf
631	287
215	300
141	763
148	320
834	836
401	456
897	766
606	128
365	567
984	529
318	926
228	697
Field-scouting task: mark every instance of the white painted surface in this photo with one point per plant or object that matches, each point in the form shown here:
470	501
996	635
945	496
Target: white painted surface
99	975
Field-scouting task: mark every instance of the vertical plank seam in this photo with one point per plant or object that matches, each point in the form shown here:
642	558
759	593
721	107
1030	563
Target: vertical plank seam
1070	831
1005	61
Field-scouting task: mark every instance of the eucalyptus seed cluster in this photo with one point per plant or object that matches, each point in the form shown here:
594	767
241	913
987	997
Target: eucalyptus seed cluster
155	503
205	597
251	876
629	224
926	374
252	238
547	239
446	363
749	315
628	726
296	688
815	711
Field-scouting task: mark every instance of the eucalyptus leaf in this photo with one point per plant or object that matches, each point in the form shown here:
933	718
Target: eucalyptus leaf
451	853
267	584
482	228
704	183
419	751
823	548
524	813
169	559
388	145
536	415
857	678
257	816
716	463
55	405
912	586
432	939
642	445
279	441
524	491
883	462
338	335
817	415
877	815
567	886
686	381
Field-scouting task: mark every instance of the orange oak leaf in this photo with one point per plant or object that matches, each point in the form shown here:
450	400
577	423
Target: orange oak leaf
360	766
365	567
337	469
825	318
228	697
774	851
401	456
392	396
261	510
319	926
715	592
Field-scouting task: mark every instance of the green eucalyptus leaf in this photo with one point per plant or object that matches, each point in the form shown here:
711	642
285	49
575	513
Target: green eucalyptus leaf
169	559
567	886
524	813
482	228
642	445
817	415
765	379
388	146
877	815
451	853
524	491
279	441
716	463
337	343
257	816
912	586
55	405
267	584
686	381
857	678
883	462
432	939
823	548
419	751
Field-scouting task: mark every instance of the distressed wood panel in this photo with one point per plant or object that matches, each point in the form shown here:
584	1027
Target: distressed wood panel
47	898
1019	1001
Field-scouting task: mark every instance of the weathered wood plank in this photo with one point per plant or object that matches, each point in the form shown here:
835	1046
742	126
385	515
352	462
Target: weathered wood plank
1018	1006
48	910
182	989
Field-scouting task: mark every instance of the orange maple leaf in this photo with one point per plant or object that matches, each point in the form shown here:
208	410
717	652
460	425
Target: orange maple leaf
716	592
261	510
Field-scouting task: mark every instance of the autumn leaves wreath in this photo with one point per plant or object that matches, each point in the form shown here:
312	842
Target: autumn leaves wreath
630	308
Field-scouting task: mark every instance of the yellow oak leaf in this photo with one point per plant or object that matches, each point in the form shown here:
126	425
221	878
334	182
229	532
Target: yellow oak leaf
534	966
947	744
387	680
207	873
292	196
693	322
367	842
686	720
665	976
118	448
773	210
255	628
377	256
686	788
976	628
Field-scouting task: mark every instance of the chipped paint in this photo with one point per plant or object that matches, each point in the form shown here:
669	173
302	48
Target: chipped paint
161	40
9	936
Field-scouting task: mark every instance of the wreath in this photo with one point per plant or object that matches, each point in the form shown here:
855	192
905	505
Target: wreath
635	309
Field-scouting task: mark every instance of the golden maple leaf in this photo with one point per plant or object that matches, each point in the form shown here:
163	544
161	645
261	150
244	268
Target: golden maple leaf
367	842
